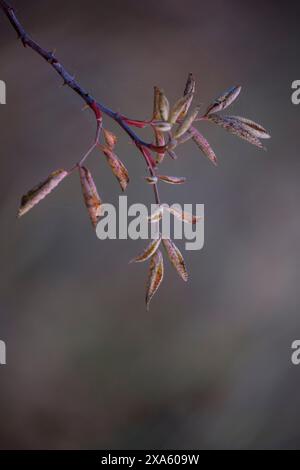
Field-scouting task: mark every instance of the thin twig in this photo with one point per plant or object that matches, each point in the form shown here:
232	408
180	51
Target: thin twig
90	150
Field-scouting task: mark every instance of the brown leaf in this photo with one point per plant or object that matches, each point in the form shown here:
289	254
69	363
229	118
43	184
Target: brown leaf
176	258
35	195
236	128
148	252
224	100
164	106
256	129
190	85
118	168
204	145
179	107
156	112
189	90
90	195
184	216
171	179
156	274
186	123
110	139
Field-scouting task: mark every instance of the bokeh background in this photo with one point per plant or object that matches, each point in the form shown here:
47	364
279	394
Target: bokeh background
209	367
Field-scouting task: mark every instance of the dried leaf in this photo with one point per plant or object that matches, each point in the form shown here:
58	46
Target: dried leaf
204	145
236	128
185	138
179	107
90	195
162	126
186	123
156	110
224	100
183	216
110	139
189	90
172	179
190	85
148	252
176	258
164	106
35	195
172	154
256	129
118	168
156	274
187	107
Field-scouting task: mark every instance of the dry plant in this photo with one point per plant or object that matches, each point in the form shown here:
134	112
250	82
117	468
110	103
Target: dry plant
172	126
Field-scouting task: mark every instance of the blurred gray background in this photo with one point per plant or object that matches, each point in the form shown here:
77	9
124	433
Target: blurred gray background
209	366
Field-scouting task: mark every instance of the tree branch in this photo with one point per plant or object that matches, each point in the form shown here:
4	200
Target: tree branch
68	80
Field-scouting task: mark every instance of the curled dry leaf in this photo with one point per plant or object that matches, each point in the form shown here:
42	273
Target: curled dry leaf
236	128
256	129
156	274
148	252
110	139
186	123
39	192
184	216
180	106
90	195
118	168
176	258
224	100
203	144
172	179
164	106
